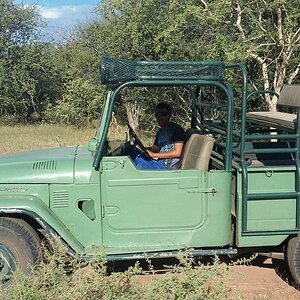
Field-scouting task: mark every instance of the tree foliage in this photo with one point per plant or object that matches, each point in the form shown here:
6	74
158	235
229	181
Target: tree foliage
81	94
148	30
265	35
59	83
18	26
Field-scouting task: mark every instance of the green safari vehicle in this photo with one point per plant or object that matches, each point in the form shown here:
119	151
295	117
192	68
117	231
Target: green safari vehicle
237	189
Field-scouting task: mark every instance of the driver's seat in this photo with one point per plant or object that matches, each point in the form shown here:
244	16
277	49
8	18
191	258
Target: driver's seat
197	152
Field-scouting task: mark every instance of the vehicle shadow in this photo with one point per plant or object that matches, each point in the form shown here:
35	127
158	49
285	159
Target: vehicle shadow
278	265
282	270
157	266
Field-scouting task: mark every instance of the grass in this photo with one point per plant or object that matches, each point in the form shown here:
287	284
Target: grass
32	137
24	138
63	278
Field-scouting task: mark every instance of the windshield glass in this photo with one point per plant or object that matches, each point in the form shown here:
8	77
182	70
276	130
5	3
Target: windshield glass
135	105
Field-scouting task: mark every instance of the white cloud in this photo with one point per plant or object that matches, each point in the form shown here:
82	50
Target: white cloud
65	11
50	13
61	20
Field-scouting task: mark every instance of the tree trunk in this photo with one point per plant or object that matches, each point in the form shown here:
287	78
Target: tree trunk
273	104
133	111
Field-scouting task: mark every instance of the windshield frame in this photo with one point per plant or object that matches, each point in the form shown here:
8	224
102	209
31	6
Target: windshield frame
114	94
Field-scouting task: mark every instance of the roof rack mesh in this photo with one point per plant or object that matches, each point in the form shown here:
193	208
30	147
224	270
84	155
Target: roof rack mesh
114	71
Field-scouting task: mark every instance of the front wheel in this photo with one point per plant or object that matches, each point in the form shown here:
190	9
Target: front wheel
20	249
293	258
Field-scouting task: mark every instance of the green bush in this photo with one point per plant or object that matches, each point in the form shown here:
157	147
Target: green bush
62	277
81	104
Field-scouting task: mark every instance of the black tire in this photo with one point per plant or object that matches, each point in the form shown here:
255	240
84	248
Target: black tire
20	249
293	259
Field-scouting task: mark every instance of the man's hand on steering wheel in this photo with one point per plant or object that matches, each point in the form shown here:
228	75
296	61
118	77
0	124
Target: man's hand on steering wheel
151	154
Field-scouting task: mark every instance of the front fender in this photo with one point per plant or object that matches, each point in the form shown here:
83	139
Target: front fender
35	208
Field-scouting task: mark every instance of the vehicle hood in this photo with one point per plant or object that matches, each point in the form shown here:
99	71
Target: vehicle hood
54	165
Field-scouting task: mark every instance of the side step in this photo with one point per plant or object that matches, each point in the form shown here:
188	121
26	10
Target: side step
169	254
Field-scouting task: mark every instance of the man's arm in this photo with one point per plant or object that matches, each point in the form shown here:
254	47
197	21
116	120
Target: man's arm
177	152
178	140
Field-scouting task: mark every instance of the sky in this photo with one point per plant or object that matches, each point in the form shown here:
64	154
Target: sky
62	16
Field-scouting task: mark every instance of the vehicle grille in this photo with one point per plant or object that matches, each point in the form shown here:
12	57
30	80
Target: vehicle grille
45	165
60	199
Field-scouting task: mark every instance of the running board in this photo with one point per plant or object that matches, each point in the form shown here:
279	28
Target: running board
166	254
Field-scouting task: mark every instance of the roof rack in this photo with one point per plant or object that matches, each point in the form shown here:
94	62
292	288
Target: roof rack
115	71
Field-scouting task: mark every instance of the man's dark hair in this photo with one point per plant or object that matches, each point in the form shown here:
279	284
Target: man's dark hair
163	105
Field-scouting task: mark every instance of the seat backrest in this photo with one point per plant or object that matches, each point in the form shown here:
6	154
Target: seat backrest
189	132
197	152
290	95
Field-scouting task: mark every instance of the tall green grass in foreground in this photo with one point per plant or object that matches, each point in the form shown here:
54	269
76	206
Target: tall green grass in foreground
63	278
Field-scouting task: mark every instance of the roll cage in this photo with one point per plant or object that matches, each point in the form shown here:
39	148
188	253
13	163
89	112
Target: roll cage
237	139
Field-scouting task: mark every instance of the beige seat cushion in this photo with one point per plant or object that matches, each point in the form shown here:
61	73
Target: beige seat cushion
197	152
289	96
274	118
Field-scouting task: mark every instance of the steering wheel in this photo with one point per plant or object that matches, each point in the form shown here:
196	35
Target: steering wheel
135	141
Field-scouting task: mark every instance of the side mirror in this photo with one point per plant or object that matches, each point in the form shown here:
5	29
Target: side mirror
92	147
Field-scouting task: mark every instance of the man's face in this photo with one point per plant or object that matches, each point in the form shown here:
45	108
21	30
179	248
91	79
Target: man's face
163	117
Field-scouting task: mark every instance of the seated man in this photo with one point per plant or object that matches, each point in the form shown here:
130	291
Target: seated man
167	149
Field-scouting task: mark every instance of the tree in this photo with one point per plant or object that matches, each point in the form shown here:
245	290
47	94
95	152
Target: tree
278	49
264	34
81	95
147	30
18	25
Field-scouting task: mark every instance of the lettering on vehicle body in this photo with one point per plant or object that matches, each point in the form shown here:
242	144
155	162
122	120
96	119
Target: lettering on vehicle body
13	190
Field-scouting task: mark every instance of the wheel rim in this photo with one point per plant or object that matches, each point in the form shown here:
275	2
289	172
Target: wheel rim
7	264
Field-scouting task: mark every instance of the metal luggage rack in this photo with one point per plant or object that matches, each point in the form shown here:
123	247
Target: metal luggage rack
116	71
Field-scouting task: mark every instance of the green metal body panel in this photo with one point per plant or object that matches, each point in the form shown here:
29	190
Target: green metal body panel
267	215
68	202
57	203
161	203
23	200
42	166
170	209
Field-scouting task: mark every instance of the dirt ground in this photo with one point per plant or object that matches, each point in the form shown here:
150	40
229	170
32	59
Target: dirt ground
266	279
262	281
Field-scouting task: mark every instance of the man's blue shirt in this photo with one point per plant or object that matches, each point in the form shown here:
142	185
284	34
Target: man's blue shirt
165	140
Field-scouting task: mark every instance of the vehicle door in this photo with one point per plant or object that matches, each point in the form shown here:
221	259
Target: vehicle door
147	210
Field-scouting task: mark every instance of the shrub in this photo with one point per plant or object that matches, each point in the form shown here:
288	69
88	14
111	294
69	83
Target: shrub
62	277
81	104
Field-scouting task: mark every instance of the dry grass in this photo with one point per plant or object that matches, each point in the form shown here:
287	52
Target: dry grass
24	138
31	137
